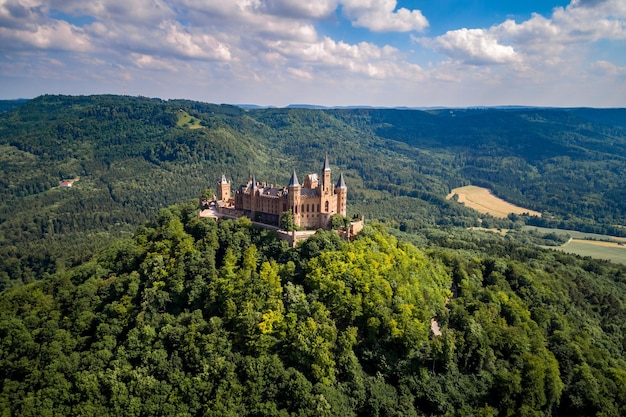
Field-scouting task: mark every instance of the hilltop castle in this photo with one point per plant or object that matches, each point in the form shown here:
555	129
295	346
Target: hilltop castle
312	204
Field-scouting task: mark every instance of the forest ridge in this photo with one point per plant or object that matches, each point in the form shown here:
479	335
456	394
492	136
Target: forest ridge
116	302
135	154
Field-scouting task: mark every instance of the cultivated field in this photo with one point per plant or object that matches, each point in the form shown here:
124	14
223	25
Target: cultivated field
611	248
482	200
610	251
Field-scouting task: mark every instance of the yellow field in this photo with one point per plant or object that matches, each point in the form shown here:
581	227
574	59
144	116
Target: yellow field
482	200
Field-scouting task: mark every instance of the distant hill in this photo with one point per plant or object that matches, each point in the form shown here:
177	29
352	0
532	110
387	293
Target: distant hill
7	105
133	155
113	301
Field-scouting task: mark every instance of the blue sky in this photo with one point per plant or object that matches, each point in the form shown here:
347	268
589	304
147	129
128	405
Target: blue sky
325	52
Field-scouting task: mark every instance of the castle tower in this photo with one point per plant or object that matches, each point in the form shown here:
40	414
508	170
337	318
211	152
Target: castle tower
294	189
326	184
223	189
342	195
253	196
328	203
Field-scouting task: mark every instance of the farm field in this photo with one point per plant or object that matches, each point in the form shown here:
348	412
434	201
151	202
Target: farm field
577	235
482	200
610	251
597	246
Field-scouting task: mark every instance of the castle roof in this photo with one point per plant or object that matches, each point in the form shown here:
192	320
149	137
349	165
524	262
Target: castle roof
224	181
341	183
326	164
253	182
293	182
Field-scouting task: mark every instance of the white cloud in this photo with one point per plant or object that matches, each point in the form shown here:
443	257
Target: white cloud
298	73
364	58
16	14
558	41
381	16
472	46
247	46
608	68
299	9
139	12
55	35
193	45
150	62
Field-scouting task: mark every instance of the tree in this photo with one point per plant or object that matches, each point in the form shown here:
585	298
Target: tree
337	221
286	221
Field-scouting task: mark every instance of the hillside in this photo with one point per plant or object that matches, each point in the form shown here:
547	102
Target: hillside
195	318
133	155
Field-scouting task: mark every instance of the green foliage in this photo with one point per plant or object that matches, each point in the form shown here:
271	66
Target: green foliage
193	317
286	221
134	155
187	316
337	221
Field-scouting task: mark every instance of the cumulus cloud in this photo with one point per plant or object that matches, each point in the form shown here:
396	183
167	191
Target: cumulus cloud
55	35
381	16
473	46
364	58
15	14
255	41
150	62
537	41
140	12
191	45
298	8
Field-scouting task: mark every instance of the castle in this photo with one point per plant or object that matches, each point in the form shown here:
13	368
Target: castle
312	204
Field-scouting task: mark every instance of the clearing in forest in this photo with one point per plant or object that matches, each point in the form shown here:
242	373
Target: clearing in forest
187	120
482	200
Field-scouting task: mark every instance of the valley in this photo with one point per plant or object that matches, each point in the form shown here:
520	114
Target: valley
117	298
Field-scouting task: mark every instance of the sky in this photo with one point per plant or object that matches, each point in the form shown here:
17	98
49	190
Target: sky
385	53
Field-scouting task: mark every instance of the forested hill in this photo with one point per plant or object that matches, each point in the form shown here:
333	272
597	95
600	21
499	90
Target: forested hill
190	317
132	155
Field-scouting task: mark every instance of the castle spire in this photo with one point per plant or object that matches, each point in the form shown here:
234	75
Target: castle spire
293	182
341	184
224	181
326	164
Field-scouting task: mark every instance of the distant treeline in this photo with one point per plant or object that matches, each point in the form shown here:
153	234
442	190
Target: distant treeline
133	156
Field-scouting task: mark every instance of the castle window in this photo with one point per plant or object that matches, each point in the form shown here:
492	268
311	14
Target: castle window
326	207
303	208
307	208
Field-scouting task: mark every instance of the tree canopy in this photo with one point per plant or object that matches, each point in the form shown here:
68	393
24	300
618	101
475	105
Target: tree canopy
193	317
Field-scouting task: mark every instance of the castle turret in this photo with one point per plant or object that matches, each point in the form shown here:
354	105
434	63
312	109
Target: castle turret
342	194
223	189
294	189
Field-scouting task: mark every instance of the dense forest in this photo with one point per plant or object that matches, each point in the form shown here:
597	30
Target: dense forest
190	317
116	299
134	155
